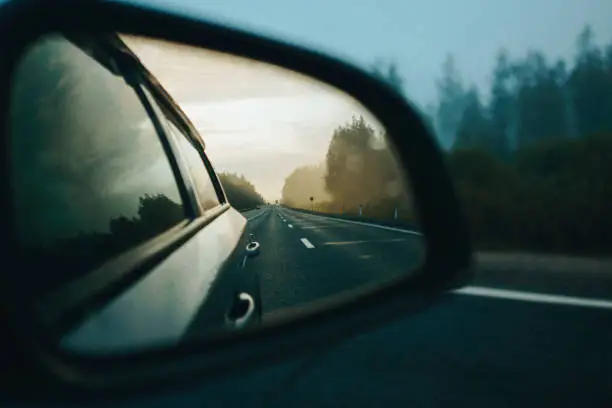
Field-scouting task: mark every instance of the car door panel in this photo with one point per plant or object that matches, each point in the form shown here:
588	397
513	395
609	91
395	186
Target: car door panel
190	284
235	277
233	282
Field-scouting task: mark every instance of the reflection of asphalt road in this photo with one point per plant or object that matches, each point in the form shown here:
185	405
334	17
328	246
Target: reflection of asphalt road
306	257
477	348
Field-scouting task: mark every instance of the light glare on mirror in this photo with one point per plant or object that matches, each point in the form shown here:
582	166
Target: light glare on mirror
107	175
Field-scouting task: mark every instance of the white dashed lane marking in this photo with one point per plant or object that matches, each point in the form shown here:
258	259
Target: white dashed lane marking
307	243
365	242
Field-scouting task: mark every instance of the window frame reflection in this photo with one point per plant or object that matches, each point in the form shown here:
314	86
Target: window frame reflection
66	306
177	132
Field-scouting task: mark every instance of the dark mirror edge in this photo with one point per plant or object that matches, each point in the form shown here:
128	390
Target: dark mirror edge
39	364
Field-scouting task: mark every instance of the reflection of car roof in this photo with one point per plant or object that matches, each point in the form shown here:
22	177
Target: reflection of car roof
116	56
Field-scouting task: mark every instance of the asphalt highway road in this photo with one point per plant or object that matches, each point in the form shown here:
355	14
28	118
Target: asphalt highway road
529	331
305	257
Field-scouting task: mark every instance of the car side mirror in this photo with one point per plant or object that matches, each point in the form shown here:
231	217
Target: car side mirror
35	324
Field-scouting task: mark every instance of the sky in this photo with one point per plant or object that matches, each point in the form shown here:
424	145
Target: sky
416	35
256	119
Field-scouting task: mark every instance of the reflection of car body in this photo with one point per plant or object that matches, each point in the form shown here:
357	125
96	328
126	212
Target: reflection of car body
120	206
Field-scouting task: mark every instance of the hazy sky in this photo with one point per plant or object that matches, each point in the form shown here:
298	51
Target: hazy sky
417	35
256	119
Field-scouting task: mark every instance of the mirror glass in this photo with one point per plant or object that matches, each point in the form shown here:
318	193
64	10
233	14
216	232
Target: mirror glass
163	193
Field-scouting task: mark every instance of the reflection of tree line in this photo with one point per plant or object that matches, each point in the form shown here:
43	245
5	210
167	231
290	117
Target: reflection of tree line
69	258
240	192
359	170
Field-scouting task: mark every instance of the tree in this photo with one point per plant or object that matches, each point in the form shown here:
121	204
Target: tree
503	103
351	164
305	182
451	103
475	129
240	192
590	86
388	72
541	102
362	170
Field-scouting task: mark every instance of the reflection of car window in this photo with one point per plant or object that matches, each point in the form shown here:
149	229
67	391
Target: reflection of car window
201	179
90	176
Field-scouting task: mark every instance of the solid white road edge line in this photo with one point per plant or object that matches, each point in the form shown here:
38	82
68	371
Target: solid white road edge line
534	297
306	243
372	241
367	224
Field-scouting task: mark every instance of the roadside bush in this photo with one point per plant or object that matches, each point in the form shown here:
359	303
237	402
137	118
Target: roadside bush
551	196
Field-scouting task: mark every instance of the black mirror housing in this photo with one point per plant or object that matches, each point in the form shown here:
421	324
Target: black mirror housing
47	370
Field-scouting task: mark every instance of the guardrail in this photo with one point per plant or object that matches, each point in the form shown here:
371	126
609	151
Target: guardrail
409	225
